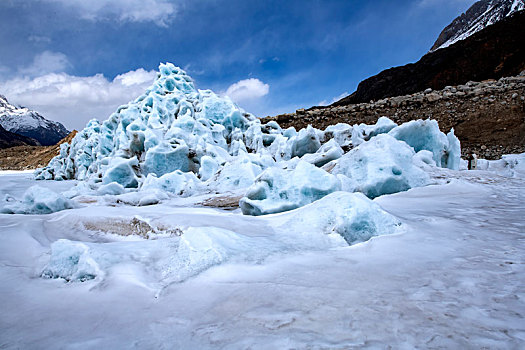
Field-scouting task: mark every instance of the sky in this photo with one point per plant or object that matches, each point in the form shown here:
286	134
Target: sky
73	60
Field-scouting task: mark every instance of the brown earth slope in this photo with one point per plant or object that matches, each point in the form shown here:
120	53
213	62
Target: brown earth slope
488	117
30	157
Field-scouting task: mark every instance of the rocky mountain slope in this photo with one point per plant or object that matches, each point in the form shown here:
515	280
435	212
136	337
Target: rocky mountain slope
488	117
496	51
10	139
478	17
26	122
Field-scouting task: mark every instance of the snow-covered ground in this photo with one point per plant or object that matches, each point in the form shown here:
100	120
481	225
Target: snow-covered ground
452	276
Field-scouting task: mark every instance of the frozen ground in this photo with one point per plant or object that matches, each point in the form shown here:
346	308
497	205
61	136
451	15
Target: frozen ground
454	278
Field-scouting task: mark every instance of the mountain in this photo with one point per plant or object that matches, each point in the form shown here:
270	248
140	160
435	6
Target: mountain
494	52
478	17
30	157
10	139
26	122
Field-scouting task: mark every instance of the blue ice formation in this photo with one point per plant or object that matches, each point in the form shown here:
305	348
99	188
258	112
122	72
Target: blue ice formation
183	141
36	200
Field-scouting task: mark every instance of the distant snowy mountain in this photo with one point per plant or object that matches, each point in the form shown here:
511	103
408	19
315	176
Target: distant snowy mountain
26	122
479	16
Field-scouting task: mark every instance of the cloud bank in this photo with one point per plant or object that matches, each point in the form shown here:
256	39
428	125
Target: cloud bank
73	100
159	12
247	90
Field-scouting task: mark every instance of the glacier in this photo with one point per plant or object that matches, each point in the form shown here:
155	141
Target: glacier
184	141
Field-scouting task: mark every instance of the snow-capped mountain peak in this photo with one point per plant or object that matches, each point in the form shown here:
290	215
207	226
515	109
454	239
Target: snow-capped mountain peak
479	16
26	122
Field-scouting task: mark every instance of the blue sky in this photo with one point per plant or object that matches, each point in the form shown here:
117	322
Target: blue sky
73	60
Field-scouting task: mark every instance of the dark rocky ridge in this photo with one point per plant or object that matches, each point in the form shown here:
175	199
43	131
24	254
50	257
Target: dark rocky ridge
10	139
496	51
488	117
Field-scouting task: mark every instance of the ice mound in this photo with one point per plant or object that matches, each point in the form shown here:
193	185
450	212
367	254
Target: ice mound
181	141
171	127
380	166
71	261
351	215
281	189
37	200
425	135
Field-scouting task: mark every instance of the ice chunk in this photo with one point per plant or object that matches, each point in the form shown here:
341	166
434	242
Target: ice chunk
112	188
380	166
176	182
281	189
341	133
121	171
351	215
453	151
235	175
363	132
306	141
208	168
425	135
37	200
167	157
71	261
328	152
424	158
510	165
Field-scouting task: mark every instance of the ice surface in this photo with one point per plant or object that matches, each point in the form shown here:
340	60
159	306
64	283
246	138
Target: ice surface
380	166
285	280
36	200
281	189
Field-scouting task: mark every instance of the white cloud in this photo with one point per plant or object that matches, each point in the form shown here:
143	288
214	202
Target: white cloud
247	89
46	62
39	39
335	99
158	11
74	100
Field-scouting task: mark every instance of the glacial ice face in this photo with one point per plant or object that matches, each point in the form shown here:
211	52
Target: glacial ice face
380	166
37	200
281	189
